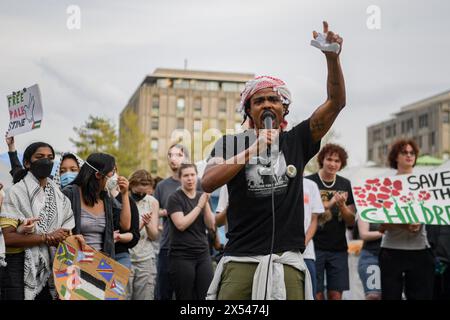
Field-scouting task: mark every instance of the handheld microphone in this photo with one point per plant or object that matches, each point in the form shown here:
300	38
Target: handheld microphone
268	117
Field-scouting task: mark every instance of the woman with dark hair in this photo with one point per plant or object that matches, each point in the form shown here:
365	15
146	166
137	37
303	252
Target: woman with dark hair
48	217
406	260
67	169
190	265
96	215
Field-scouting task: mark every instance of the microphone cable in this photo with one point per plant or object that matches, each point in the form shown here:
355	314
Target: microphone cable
268	123
273	227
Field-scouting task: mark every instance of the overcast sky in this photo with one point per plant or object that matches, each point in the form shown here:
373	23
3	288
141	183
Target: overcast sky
96	69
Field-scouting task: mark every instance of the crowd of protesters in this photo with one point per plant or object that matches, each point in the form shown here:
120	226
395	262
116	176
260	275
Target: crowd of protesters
286	232
163	231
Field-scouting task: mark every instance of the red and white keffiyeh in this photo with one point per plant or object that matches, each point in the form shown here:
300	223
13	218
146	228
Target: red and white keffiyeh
263	82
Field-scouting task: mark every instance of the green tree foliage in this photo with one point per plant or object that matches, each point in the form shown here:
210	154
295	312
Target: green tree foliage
95	135
130	147
134	145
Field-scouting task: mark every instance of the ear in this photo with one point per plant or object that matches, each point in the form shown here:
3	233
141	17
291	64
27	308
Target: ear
27	164
98	175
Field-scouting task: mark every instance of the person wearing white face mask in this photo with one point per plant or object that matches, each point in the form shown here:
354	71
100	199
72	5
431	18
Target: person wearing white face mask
96	215
128	238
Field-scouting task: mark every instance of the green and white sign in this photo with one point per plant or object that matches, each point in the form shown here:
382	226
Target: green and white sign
415	198
25	111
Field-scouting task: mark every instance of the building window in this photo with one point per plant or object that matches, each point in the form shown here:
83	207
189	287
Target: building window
198	104
433	138
212	86
180	123
403	127
155	106
423	121
409	125
198	85
380	152
154	166
154	145
180	106
446	117
163	83
155	123
377	135
418	140
230	87
370	154
388	131
223	105
181	84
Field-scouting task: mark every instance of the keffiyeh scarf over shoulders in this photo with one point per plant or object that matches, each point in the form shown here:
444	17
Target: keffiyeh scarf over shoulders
26	199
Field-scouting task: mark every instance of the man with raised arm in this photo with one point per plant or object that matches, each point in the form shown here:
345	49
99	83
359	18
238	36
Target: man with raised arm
241	161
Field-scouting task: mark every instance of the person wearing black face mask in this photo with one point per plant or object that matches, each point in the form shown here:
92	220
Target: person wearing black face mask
33	197
41	168
138	196
141	284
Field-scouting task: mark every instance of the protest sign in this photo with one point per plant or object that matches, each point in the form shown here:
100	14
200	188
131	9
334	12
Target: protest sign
415	198
87	274
25	111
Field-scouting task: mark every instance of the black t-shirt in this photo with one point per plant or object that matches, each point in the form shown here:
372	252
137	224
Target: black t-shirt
193	241
163	191
330	234
249	211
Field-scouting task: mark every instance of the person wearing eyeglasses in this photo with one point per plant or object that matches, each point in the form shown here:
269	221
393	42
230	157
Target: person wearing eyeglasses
406	260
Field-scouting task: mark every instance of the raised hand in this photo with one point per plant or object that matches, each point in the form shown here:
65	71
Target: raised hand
326	40
123	184
10	143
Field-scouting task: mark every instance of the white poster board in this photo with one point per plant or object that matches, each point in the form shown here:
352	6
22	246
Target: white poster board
414	198
25	111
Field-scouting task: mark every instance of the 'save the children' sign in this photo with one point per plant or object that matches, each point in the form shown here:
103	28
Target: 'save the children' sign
415	198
